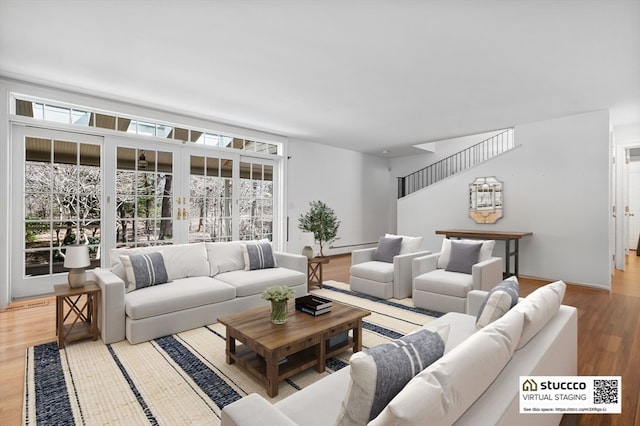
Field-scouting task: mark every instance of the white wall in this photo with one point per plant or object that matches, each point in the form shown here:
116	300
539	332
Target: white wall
556	185
354	185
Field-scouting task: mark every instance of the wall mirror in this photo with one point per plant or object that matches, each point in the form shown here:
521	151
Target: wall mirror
485	200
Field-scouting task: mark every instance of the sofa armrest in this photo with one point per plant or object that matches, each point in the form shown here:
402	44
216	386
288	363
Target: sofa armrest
487	274
402	273
111	314
362	255
423	264
474	301
253	410
296	262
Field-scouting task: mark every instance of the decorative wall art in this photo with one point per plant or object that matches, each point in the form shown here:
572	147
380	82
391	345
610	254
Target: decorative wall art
485	200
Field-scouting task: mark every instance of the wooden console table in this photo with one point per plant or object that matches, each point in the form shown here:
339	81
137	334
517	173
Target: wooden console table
507	237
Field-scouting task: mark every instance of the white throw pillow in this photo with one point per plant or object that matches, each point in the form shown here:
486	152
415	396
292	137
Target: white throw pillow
409	244
225	256
486	251
538	308
447	388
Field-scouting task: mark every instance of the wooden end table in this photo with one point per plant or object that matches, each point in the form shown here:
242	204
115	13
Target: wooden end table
314	271
84	322
271	353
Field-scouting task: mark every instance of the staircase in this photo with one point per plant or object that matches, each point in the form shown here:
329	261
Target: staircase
456	163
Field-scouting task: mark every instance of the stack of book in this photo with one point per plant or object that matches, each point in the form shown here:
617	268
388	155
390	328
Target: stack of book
313	305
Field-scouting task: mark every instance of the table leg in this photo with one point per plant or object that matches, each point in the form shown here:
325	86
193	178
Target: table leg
507	257
231	348
517	260
94	315
60	321
321	355
320	275
272	374
357	337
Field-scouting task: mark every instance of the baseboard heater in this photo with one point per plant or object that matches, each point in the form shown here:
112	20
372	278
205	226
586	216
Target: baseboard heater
353	245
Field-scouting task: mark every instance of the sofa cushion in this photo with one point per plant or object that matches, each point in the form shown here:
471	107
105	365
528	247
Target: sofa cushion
538	308
225	256
379	373
440	281
499	300
375	271
463	257
409	244
175	296
387	249
486	251
248	283
447	388
258	256
144	270
180	260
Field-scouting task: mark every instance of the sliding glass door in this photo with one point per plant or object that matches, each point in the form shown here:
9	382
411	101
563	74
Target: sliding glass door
109	191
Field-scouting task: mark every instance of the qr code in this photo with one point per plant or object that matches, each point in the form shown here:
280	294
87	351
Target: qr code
605	391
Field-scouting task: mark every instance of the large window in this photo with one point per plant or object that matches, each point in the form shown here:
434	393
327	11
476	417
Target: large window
109	180
62	193
144	191
256	201
211	199
81	116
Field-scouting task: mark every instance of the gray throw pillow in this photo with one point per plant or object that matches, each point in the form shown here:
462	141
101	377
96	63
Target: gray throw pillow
463	257
258	256
144	270
387	249
499	300
379	373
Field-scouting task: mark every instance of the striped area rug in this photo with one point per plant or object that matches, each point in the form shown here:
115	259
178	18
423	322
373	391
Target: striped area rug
178	379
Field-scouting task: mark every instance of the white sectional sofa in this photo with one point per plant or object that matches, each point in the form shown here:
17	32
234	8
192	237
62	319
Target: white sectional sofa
476	382
206	281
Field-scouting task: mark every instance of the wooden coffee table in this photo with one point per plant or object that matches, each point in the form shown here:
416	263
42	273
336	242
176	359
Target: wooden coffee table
271	353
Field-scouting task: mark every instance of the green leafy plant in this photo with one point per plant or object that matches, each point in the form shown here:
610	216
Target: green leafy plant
322	221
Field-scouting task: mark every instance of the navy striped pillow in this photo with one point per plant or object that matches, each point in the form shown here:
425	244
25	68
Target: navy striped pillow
144	270
258	256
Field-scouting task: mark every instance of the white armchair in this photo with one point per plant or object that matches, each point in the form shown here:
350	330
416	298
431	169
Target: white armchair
438	289
383	279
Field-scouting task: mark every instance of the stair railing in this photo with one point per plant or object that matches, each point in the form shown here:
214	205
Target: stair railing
456	163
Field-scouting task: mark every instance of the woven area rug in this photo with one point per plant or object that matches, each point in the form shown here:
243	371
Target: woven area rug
179	379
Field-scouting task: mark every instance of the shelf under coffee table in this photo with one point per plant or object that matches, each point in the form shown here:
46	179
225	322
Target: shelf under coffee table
301	341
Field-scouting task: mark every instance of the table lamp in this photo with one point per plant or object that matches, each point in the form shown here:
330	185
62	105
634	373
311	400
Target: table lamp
77	258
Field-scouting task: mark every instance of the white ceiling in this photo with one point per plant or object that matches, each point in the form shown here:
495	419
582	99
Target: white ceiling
363	75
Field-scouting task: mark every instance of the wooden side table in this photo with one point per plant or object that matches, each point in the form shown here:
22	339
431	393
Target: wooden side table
314	271
84	322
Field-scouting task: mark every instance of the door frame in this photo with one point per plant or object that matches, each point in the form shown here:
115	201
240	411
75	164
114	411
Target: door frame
22	286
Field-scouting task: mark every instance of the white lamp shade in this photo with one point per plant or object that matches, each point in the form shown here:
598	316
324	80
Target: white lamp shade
76	257
307	239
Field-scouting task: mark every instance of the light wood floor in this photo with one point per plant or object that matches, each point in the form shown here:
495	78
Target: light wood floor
608	339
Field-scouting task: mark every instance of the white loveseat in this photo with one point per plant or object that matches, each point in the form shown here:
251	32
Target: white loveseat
206	281
476	382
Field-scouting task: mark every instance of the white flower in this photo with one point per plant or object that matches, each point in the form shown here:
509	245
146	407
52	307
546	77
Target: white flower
279	293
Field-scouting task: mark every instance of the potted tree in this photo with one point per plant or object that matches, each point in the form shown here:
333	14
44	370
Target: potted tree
322	221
